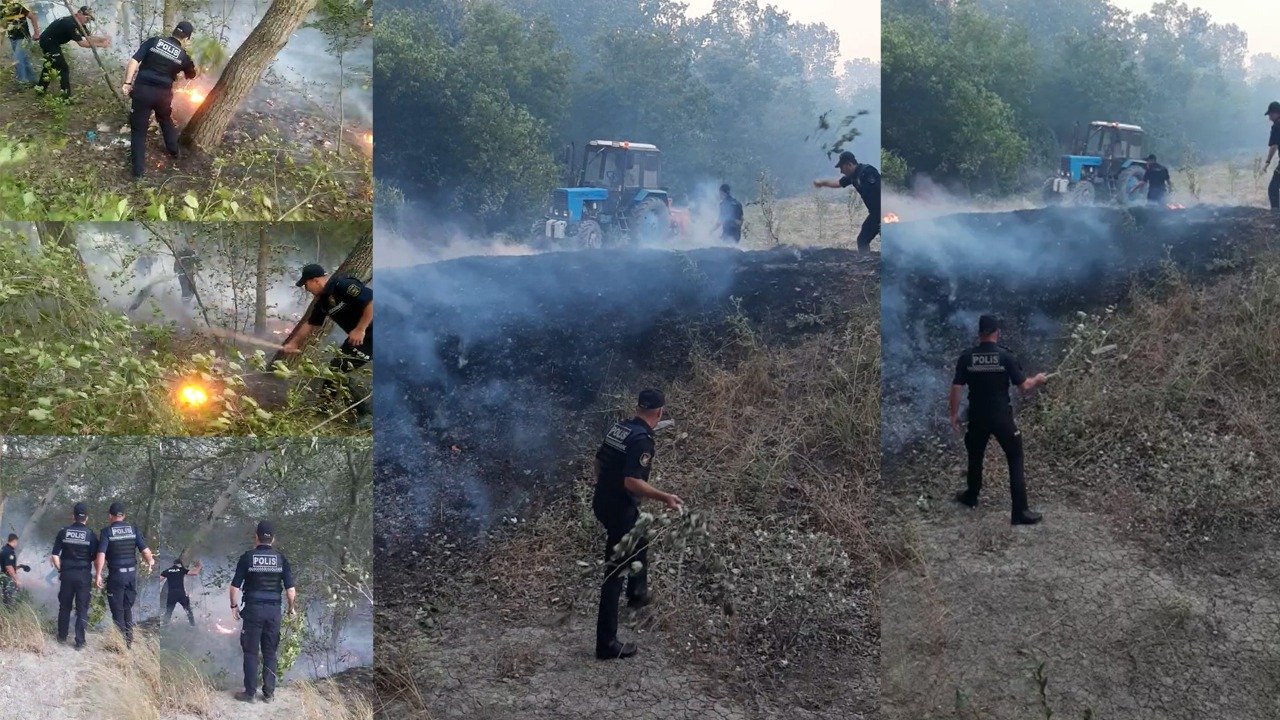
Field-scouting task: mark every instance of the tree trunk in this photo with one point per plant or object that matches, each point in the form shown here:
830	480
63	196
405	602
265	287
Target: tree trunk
353	507
244	71
54	487
359	264
170	16
260	300
153	490
221	503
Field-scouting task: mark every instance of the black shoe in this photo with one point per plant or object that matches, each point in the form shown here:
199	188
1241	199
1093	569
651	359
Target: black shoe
62	640
244	697
1027	517
268	698
964	498
617	651
79	646
640	601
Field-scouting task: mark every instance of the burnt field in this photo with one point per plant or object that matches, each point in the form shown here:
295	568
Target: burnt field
507	372
1150	585
507	368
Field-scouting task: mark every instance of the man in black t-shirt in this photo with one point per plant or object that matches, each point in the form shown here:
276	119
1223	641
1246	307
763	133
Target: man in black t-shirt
730	223
349	303
9	583
622	474
148	81
22	26
1273	143
59	33
175	577
1156	180
866	180
988	370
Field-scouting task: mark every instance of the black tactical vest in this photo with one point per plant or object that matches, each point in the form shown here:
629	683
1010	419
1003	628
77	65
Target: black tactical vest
122	546
77	548
265	581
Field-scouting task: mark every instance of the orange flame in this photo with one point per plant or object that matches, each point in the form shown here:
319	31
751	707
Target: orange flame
193	396
891	218
195	94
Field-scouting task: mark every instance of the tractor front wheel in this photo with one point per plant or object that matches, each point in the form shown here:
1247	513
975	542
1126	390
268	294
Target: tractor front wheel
1082	193
650	221
590	236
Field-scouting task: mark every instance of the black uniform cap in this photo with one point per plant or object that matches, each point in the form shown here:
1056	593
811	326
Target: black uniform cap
1151	157
846	157
85	11
266	530
80	511
309	272
988	324
117	508
184	30
651	399
1274	107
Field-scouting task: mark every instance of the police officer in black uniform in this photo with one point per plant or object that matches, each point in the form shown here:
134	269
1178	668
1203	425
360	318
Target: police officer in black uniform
1273	144
263	574
989	370
866	180
622	474
148	81
350	303
118	546
175	577
9	584
730	224
59	33
74	548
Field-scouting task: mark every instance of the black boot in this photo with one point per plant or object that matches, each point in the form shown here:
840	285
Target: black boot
641	600
617	651
1027	517
243	696
964	497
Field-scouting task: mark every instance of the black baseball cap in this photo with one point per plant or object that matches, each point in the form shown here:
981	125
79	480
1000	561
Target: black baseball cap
79	510
1274	107
846	157
184	30
310	272
1152	157
988	324
266	530
117	508
651	399
85	11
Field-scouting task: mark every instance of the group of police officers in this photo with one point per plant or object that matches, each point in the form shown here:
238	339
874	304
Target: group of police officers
261	587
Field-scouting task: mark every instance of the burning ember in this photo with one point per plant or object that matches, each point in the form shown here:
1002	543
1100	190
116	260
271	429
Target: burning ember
890	218
195	94
368	138
223	629
193	396
1176	206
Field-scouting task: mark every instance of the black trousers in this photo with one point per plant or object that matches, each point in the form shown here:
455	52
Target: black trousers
74	587
1010	438
148	99
618	522
260	636
122	592
173	600
1156	195
1273	189
870	229
56	61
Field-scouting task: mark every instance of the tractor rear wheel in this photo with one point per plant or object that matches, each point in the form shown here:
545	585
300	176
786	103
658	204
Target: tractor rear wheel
650	222
590	236
1127	185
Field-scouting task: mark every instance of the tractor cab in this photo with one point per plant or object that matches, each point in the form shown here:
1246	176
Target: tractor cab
1106	159
613	192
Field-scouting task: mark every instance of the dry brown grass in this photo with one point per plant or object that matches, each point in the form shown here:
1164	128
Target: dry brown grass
325	701
149	683
21	629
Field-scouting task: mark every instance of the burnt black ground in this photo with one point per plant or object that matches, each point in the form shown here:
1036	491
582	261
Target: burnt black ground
1033	268
503	366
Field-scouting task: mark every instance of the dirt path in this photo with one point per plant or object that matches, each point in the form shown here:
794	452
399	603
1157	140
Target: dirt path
27	682
1118	633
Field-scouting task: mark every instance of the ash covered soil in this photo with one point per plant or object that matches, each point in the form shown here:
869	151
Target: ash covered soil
1098	609
507	371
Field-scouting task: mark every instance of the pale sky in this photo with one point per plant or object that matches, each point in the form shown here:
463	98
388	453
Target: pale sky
857	22
1254	17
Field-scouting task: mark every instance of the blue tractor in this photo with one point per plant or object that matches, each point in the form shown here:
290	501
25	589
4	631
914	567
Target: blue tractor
613	197
1106	166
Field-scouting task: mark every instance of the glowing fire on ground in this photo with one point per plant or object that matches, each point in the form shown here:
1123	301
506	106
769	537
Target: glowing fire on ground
196	95
1176	206
891	218
368	138
193	396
